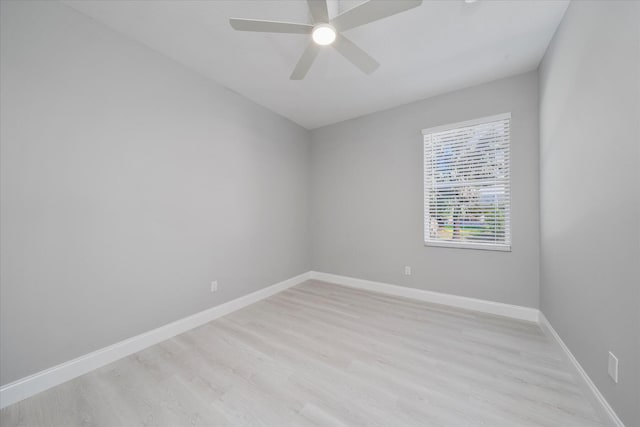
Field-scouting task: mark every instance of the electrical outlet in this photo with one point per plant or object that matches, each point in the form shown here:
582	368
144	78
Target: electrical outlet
214	286
407	270
613	367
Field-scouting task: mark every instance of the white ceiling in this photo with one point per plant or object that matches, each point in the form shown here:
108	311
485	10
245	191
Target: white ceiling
435	48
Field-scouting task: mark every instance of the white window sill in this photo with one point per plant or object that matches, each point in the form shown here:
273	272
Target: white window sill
469	245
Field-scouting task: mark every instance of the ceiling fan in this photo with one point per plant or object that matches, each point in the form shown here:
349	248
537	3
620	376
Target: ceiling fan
328	32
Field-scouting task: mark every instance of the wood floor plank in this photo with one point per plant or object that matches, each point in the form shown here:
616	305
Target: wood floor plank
321	354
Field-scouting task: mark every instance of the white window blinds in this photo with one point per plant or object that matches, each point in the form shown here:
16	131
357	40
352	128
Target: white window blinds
467	184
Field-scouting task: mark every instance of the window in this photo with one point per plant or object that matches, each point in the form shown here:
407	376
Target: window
467	184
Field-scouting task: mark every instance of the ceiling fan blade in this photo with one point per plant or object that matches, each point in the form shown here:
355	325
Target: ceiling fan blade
269	26
305	61
355	55
319	10
371	11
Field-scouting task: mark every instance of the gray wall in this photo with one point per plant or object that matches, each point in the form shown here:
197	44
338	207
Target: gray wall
590	192
367	197
128	184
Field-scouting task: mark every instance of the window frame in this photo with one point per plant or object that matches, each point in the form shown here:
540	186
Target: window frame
466	244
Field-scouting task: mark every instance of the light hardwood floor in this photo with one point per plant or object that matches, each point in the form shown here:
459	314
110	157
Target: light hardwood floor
320	355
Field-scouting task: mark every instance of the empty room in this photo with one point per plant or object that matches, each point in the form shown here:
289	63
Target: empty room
283	213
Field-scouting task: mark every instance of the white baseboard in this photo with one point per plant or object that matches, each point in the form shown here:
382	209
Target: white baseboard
484	306
43	380
606	411
38	382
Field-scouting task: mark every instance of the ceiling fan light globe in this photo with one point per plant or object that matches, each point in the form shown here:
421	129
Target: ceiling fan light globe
323	34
